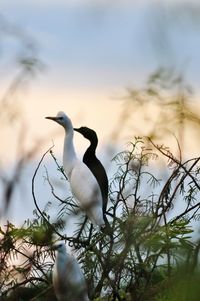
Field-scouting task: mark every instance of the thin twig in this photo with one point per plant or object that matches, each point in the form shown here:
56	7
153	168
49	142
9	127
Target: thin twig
34	198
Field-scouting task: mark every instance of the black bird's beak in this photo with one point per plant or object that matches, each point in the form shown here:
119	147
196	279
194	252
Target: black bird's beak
77	130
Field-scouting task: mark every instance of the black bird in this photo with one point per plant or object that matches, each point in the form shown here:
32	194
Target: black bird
94	164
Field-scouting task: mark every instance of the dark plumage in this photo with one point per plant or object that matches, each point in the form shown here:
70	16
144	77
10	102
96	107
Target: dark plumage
94	164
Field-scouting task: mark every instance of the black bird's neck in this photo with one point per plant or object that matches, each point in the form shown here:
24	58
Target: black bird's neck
93	145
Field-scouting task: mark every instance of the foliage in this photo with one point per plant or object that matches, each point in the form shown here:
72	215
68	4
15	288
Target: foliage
164	106
25	66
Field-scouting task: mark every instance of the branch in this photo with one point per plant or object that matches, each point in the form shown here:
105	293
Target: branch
34	198
23	283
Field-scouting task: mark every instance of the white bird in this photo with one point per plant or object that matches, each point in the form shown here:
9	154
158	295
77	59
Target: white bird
68	280
83	183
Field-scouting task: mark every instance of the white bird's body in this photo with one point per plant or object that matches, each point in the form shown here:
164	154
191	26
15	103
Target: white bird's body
68	280
84	185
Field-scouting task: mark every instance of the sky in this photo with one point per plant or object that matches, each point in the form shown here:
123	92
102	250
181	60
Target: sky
92	44
92	51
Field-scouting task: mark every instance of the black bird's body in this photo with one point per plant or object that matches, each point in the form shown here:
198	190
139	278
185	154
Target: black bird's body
94	164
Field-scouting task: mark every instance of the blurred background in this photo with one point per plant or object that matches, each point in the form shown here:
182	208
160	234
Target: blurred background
124	68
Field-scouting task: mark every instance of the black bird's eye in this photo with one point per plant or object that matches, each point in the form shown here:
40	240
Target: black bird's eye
60	118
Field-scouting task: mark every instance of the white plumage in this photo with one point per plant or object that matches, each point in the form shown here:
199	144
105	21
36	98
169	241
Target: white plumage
68	280
84	185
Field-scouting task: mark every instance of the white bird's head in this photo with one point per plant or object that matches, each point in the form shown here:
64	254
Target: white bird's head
60	247
62	119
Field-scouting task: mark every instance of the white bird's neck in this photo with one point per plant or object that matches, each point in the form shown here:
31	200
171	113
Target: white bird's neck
61	259
69	154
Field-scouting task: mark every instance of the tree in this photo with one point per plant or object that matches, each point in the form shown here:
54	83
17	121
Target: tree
150	241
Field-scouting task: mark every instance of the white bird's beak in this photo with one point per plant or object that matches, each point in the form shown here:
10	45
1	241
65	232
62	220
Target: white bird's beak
52	118
53	248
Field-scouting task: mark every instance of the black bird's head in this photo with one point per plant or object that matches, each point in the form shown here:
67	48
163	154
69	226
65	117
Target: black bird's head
87	133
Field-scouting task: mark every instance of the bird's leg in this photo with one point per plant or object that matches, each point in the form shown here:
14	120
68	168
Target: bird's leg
84	241
90	233
82	228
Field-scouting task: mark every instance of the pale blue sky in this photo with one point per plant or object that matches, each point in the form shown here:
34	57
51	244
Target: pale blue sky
95	49
93	43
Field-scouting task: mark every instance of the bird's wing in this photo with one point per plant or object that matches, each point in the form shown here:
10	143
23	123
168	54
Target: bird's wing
75	271
87	191
84	185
